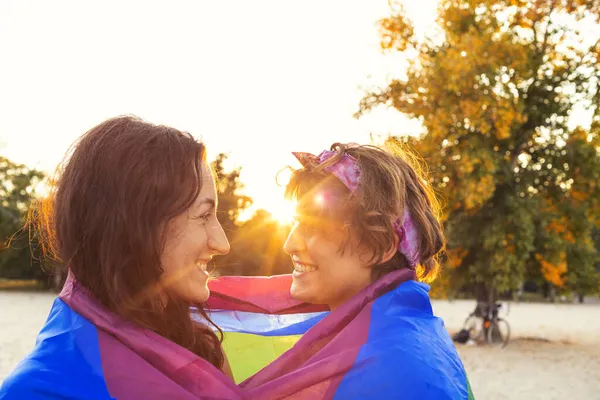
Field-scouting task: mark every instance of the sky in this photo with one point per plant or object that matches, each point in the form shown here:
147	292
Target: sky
254	79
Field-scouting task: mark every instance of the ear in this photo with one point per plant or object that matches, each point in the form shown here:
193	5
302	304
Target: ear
389	253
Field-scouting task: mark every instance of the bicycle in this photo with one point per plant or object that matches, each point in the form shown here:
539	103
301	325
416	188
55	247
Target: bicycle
484	325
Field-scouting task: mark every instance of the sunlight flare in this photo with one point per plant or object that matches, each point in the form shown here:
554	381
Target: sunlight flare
283	211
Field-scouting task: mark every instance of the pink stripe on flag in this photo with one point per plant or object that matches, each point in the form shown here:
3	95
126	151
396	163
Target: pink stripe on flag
316	365
259	294
132	355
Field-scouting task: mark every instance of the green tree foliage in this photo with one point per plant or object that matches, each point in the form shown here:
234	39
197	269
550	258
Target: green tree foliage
17	189
231	201
494	89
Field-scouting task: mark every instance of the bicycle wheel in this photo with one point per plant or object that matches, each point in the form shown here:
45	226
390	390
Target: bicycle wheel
473	325
498	333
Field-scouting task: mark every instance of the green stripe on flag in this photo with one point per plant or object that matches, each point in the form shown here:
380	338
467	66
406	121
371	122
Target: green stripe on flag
248	353
471	396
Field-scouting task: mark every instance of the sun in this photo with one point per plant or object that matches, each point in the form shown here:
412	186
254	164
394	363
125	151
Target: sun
283	211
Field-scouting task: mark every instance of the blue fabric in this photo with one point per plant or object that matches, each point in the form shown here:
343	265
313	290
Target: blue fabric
408	353
265	324
76	374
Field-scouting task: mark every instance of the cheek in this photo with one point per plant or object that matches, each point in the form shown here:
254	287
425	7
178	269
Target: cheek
181	277
324	250
182	248
196	240
169	257
337	266
171	250
191	243
315	249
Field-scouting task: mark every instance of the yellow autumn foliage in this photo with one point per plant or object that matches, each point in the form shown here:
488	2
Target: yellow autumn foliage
455	256
494	93
553	273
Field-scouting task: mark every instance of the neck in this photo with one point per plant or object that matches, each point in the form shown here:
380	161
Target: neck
376	288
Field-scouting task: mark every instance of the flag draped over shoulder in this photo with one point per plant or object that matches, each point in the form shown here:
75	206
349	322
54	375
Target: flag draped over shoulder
384	343
260	319
86	352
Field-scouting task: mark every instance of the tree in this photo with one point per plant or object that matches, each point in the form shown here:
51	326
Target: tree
257	248
494	90
18	257
257	244
231	202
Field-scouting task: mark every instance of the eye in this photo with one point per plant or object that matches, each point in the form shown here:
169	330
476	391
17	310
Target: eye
204	217
306	225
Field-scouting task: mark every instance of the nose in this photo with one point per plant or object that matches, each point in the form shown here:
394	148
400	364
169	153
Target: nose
217	240
294	242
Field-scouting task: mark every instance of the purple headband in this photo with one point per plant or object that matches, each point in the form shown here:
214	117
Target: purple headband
347	170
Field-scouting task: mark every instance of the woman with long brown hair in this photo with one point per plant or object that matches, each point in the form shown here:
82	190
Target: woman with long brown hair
132	216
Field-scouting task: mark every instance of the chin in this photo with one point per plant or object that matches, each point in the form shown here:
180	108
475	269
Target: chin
300	294
201	297
193	294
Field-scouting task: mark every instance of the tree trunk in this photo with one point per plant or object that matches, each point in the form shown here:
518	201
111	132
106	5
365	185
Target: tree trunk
485	294
520	291
552	294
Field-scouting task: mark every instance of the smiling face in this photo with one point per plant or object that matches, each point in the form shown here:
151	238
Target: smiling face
329	268
192	239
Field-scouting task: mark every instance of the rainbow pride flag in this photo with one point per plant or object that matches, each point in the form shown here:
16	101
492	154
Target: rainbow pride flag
384	343
260	319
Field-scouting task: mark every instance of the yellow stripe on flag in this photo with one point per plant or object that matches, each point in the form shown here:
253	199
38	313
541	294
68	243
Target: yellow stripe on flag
249	353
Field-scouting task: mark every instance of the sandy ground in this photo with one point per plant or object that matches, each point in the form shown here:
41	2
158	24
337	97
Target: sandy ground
22	314
567	366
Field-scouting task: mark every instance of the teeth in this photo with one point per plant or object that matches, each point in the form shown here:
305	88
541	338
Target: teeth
304	268
201	265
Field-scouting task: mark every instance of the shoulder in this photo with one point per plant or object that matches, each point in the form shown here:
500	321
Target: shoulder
37	378
19	384
32	379
404	374
65	363
409	351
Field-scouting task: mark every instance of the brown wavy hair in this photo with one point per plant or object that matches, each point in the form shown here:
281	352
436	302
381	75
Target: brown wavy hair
392	178
106	217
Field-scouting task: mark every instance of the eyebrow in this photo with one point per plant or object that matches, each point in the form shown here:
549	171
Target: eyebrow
206	200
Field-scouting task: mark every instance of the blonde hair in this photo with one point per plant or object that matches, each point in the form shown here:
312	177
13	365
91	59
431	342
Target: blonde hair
392	178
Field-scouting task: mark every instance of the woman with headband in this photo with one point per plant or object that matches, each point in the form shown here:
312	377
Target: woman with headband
365	241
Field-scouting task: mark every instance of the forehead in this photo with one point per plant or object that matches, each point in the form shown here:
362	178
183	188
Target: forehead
207	189
325	207
311	185
207	175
